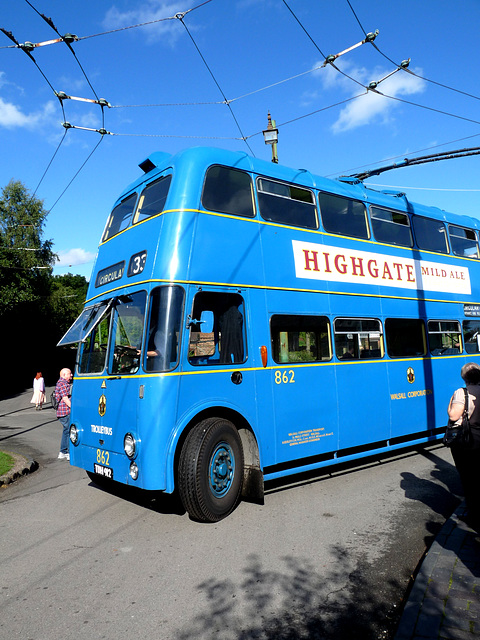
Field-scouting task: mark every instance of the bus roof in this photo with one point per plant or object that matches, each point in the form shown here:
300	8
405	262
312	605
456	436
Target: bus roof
203	157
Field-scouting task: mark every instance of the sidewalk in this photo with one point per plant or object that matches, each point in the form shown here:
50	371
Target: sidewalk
444	602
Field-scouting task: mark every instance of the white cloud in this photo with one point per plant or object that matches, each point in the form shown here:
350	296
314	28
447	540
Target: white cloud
12	116
150	11
74	257
370	107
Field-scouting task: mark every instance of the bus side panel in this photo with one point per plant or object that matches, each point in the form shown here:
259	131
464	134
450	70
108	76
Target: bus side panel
363	403
209	391
226	250
305	410
411	396
304	395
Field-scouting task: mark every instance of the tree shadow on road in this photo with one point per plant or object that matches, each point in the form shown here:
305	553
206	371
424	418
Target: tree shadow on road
440	499
295	602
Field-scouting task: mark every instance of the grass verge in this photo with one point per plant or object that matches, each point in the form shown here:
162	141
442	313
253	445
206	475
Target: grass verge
6	462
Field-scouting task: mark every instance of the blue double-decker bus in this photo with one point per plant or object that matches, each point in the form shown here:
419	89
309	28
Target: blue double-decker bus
246	321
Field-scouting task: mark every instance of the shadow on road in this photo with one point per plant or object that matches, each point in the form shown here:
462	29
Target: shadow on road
24	431
439	499
157	501
310	603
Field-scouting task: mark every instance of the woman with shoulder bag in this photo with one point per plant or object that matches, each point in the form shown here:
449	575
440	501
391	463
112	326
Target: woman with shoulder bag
467	456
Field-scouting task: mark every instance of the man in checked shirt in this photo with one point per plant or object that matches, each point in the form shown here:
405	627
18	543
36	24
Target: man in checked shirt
63	391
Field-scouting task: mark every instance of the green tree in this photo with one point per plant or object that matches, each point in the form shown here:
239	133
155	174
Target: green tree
26	260
67	297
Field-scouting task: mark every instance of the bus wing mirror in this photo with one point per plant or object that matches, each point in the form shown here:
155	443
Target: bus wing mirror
206	322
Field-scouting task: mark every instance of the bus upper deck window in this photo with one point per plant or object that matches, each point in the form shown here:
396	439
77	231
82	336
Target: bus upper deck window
392	227
464	241
120	217
152	199
287	204
431	235
228	191
343	216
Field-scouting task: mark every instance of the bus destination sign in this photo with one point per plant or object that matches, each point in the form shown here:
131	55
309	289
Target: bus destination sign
471	310
110	274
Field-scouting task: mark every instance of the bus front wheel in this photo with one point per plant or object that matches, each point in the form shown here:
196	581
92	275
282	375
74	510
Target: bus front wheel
210	470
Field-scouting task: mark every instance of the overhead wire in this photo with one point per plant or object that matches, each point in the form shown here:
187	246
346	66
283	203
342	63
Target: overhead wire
318	48
104	33
444	86
76	174
423	106
143	24
26	49
66	40
180	17
372	86
50	163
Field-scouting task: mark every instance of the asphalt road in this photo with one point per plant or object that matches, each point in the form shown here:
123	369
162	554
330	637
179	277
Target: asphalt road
325	557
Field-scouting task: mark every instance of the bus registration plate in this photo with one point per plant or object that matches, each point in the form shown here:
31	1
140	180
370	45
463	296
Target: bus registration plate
107	472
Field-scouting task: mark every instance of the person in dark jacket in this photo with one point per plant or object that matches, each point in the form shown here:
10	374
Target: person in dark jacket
467	460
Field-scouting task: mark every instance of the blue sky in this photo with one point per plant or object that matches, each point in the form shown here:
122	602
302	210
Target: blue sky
262	55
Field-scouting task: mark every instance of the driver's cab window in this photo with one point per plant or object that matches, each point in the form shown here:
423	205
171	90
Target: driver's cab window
163	336
217	329
127	333
93	350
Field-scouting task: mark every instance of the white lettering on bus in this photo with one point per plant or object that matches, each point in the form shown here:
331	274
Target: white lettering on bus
106	431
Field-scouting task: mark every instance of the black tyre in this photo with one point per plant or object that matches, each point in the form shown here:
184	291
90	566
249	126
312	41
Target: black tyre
210	470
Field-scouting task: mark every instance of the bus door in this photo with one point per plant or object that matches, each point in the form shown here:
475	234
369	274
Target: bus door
410	377
303	387
107	400
217	370
362	384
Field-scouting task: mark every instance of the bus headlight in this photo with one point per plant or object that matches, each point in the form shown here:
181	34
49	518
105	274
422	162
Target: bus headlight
73	434
129	445
133	470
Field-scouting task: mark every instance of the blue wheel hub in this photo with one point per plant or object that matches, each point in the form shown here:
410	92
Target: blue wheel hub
222	468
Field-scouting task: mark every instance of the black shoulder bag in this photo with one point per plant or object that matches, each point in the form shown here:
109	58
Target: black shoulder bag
459	436
54	399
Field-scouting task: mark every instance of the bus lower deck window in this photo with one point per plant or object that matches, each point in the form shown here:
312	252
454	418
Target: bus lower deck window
444	337
405	337
297	338
217	329
358	338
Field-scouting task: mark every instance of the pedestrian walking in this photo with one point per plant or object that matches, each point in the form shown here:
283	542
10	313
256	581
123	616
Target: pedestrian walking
38	397
467	456
63	392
